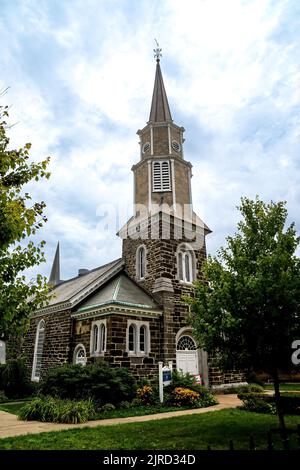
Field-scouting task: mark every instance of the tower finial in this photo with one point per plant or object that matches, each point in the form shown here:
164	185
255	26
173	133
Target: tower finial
157	52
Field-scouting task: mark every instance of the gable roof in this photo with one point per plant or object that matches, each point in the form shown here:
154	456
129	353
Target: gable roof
69	293
121	291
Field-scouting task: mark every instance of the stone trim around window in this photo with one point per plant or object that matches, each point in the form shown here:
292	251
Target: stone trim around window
183	251
137	351
138	272
38	351
79	358
99	338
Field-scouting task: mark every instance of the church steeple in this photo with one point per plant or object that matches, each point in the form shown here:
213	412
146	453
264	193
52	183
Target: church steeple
162	176
160	110
54	278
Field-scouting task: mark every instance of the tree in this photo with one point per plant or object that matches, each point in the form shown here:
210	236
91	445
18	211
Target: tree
247	311
20	218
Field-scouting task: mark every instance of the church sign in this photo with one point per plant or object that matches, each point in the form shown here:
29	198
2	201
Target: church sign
164	378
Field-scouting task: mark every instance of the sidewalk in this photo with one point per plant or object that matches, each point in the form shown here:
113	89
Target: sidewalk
10	425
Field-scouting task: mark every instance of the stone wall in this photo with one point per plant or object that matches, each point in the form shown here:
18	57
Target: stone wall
181	178
116	354
160	133
161	252
160	140
56	350
162	263
218	378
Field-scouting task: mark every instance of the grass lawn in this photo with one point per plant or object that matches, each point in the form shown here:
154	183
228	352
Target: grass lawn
13	408
137	411
285	387
183	433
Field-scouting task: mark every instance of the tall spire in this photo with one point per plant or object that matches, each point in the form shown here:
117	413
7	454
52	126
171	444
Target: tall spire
54	278
160	111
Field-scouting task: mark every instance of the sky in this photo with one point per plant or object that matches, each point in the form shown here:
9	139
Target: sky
80	75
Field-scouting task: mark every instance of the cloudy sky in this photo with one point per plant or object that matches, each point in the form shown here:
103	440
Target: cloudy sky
81	75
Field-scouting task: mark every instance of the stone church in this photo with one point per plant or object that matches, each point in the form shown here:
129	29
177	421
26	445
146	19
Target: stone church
130	312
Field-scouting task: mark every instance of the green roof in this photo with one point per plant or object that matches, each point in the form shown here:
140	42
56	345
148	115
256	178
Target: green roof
122	291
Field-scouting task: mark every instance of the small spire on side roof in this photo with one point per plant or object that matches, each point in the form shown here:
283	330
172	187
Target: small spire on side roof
54	278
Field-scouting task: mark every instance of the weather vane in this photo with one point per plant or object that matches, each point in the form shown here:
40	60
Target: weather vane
157	51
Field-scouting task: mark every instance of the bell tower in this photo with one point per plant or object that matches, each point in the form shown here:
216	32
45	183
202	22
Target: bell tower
162	176
164	240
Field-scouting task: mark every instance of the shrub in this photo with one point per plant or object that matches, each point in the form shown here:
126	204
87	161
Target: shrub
185	397
110	384
125	405
146	395
290	402
99	382
187	381
135	402
108	407
143	381
179	379
250	388
3	397
259	405
14	379
2	366
206	399
252	378
75	411
65	381
266	403
48	409
39	409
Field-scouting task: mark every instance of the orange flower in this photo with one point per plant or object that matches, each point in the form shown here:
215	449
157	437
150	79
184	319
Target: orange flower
185	396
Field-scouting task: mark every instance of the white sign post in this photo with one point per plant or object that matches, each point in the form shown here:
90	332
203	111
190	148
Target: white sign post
164	378
2	352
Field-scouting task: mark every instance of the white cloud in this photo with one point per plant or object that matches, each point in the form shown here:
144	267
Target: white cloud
232	76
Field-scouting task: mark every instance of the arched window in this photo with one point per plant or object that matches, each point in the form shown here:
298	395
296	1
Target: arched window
80	355
95	338
102	338
143	333
138	338
98	338
188	267
180	270
186	343
141	262
185	265
38	351
132	338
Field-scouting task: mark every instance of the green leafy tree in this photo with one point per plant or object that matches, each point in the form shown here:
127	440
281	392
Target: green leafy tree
247	313
20	218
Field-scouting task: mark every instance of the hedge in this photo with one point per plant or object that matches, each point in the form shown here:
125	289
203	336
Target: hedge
99	382
261	403
14	379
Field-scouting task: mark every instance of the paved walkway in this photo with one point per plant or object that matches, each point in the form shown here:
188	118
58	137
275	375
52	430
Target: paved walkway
10	425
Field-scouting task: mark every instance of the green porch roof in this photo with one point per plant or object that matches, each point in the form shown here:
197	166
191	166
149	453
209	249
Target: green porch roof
121	291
